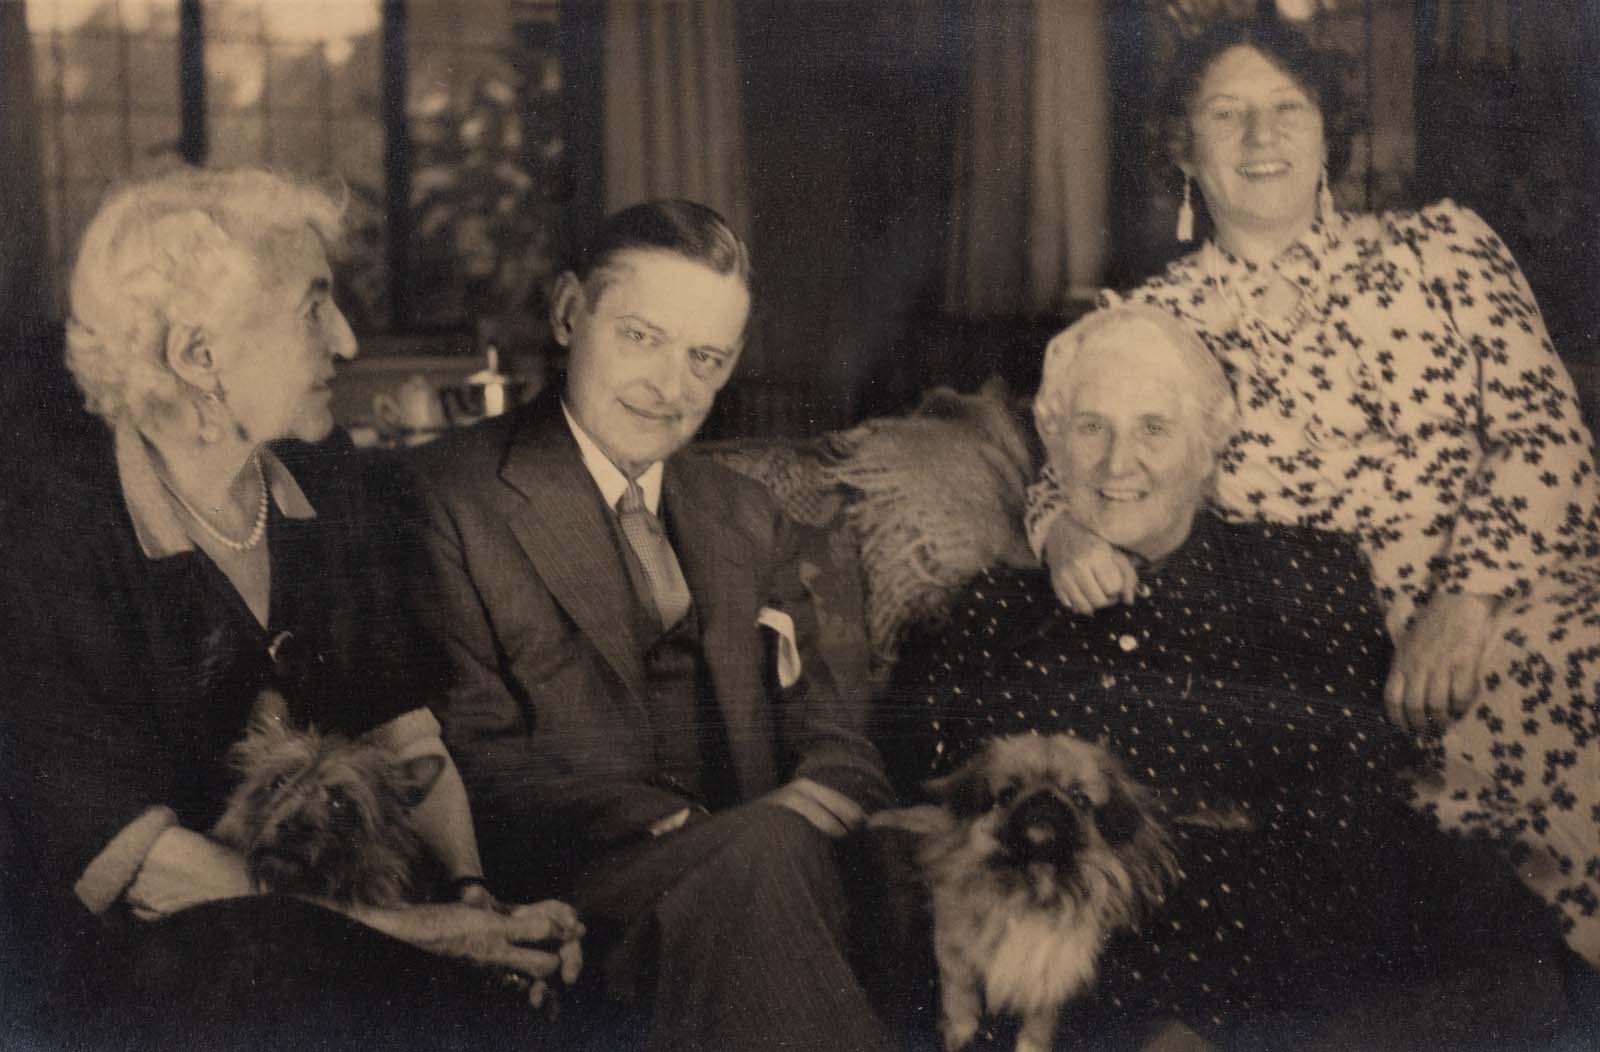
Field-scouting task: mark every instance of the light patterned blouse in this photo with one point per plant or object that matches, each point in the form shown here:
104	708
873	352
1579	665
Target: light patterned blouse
1413	398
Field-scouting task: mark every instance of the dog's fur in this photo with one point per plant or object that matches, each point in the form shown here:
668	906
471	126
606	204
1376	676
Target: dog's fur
1049	848
325	816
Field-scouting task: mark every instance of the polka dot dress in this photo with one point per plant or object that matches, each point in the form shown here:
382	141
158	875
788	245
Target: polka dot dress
1243	686
1414	400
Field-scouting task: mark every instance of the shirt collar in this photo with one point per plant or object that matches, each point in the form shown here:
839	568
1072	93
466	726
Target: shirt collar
612	482
1307	252
154	512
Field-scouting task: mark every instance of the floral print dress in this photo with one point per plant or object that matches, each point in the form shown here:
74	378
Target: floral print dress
1413	399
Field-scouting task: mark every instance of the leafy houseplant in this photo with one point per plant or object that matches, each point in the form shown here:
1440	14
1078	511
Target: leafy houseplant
483	194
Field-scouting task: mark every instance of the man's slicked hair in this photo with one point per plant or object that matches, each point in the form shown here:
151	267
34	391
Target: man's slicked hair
683	228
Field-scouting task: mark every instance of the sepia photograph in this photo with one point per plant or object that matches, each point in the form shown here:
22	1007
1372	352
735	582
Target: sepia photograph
799	525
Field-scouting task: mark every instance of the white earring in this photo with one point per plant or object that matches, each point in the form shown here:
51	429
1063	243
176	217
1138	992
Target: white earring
1186	211
206	409
1325	198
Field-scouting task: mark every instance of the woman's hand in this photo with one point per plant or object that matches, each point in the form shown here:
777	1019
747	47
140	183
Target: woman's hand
1438	665
1087	572
535	941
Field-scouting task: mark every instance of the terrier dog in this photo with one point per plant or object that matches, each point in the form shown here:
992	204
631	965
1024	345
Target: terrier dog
1047	848
325	816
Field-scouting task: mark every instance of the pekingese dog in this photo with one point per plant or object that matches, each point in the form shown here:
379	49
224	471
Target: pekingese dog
1048	849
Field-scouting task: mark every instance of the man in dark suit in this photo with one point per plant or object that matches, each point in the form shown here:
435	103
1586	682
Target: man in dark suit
639	712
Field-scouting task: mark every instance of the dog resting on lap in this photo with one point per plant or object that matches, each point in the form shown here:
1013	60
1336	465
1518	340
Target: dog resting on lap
1044	848
324	816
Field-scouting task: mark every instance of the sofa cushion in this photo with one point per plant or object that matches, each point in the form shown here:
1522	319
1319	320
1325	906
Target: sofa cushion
934	497
925	500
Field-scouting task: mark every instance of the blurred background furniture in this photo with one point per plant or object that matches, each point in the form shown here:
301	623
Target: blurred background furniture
918	178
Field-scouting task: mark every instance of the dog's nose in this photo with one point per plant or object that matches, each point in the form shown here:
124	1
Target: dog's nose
1042	827
296	830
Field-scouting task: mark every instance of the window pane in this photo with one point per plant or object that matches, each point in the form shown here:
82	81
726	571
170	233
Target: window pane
356	75
91	70
295	77
106	74
358	152
153	73
432	25
233	140
232	19
155	17
235	76
52	211
485	165
95	147
310	21
45	70
49	146
155	142
299	144
484	23
361	268
82	201
429	90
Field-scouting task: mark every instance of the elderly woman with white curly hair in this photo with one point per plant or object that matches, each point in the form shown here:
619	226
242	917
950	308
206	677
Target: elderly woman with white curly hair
185	550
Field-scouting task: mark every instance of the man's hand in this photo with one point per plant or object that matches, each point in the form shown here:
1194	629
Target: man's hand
829	810
1438	665
1087	572
535	941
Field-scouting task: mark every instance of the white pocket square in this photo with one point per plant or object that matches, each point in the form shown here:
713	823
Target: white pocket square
788	649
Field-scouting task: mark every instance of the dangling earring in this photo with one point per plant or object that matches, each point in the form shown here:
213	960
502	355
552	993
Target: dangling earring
1186	212
206	409
1325	198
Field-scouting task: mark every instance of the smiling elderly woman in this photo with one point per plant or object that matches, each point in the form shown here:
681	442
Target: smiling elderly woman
1242	684
1396	383
182	553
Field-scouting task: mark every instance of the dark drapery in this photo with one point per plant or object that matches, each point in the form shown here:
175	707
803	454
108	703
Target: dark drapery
26	296
1032	167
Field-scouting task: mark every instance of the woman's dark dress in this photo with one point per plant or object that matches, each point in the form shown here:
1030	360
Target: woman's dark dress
126	680
1245	684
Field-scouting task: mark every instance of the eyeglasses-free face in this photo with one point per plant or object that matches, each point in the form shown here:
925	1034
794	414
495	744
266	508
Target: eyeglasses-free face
1256	145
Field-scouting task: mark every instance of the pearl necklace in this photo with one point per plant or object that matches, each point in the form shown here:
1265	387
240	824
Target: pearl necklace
1245	314
257	531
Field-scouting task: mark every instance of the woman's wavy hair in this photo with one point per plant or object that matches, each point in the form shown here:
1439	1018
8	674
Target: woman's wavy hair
182	248
1320	73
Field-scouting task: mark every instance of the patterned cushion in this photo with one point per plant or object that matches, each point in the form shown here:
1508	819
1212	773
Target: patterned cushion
935	497
930	499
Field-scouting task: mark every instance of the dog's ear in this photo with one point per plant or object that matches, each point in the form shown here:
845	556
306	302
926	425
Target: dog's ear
1123	814
965	790
416	777
269	715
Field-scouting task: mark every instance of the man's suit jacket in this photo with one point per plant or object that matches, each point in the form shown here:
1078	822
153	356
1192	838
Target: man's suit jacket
549	718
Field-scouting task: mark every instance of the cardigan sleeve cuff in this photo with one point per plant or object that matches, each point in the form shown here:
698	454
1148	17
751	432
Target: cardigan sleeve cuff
113	869
1045	504
405	730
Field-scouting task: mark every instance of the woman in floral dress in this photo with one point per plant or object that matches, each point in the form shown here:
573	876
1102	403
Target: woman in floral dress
1395	381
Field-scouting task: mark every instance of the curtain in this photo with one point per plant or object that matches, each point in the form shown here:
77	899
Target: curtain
25	285
671	106
1031	186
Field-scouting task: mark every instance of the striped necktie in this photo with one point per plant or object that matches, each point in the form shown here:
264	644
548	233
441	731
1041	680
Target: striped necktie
654	551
